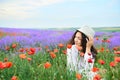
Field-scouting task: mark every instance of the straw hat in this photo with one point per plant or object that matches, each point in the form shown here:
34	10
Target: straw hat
88	31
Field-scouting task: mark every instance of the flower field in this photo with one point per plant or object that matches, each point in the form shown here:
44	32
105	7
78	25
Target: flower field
27	54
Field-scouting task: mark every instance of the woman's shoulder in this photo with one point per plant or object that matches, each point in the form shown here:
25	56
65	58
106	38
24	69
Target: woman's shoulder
73	46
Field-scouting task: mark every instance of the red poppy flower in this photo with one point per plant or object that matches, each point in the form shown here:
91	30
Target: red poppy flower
117	59
21	50
115	48
7	48
2	65
55	50
90	60
14	45
95	69
97	77
29	59
112	64
22	56
60	45
47	65
32	50
78	76
117	52
101	62
14	78
69	46
8	64
31	53
97	38
53	55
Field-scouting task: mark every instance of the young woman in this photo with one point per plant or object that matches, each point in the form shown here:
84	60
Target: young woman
82	54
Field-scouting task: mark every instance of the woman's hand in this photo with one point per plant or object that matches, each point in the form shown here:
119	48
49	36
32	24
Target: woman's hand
89	42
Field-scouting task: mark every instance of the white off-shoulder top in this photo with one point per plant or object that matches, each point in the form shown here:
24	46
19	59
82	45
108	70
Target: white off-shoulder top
75	62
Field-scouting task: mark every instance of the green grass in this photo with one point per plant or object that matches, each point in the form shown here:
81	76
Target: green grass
34	69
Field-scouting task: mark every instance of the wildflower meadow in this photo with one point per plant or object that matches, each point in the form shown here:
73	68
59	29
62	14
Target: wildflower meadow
29	54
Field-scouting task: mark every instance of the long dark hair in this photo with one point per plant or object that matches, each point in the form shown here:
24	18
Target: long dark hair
83	43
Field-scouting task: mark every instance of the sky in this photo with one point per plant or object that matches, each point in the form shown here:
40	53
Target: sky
59	13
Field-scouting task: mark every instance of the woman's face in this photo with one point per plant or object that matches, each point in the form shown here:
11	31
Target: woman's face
78	38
